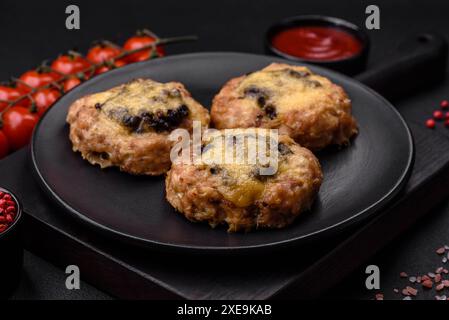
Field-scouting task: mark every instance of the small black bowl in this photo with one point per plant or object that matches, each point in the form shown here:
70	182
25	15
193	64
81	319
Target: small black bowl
351	65
11	252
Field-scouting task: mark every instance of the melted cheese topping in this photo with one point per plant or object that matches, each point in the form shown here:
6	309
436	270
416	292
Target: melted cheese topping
143	96
245	194
142	106
287	88
237	166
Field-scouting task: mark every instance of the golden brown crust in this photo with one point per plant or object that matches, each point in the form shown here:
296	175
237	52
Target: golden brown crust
106	142
201	194
311	109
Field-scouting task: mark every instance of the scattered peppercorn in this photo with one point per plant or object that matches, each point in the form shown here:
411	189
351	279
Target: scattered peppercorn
430	123
8	211
412	291
405	292
430	281
438	115
439	287
427	284
425	278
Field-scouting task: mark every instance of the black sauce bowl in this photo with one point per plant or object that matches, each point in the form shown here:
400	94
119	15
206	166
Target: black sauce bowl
349	65
11	252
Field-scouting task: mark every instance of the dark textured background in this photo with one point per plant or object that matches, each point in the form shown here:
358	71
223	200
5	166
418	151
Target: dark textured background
34	31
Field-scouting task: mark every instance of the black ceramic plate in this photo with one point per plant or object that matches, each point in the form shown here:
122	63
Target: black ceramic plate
358	179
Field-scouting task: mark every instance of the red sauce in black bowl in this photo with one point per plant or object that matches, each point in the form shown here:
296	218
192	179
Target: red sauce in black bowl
319	43
329	42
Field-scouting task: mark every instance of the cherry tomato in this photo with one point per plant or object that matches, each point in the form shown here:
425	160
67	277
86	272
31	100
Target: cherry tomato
71	83
138	42
102	53
103	69
35	79
44	99
4	145
18	125
11	94
70	64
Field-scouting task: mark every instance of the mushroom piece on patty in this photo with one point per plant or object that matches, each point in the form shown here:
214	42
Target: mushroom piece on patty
128	126
239	194
308	107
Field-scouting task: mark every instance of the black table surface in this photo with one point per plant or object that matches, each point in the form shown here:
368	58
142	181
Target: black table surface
34	31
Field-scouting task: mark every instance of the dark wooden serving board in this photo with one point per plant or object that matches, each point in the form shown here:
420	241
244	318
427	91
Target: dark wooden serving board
129	272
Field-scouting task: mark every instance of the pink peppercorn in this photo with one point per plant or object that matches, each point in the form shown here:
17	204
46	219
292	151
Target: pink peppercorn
8	211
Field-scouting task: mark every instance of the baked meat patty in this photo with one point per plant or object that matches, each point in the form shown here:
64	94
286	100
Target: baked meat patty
240	195
128	126
309	108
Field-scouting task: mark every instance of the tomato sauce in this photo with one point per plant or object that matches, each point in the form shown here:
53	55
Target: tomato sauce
317	43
